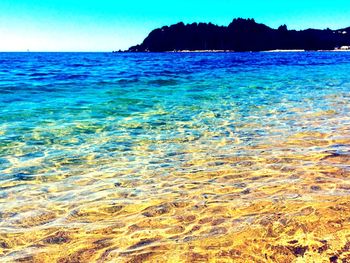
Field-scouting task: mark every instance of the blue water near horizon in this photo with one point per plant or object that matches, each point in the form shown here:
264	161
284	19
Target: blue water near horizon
81	93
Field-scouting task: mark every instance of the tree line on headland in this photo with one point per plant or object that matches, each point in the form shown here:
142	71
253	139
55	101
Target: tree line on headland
240	35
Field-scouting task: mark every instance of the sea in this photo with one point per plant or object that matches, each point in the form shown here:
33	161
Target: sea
175	157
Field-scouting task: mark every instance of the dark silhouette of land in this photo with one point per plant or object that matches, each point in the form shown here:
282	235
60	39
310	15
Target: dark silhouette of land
240	35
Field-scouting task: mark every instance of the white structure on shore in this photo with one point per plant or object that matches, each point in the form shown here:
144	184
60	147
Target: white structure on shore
343	48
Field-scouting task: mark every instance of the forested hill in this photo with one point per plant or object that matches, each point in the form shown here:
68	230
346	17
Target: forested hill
240	35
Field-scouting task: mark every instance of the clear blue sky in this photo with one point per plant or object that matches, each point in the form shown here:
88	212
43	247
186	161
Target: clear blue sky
105	25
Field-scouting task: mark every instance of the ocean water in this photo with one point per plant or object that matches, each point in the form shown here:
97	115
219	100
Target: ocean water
175	157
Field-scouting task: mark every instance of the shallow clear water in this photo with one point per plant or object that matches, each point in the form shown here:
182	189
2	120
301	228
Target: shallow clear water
174	157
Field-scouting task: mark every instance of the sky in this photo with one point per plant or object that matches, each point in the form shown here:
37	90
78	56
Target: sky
106	25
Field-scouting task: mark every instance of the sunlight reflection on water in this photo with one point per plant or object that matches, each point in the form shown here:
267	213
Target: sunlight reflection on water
174	157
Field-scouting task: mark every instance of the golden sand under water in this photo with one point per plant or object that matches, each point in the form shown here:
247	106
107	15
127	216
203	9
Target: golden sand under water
285	201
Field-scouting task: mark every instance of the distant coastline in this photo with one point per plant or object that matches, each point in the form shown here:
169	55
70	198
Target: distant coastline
232	51
241	35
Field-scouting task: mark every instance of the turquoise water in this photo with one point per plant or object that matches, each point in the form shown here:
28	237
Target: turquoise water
63	107
83	131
